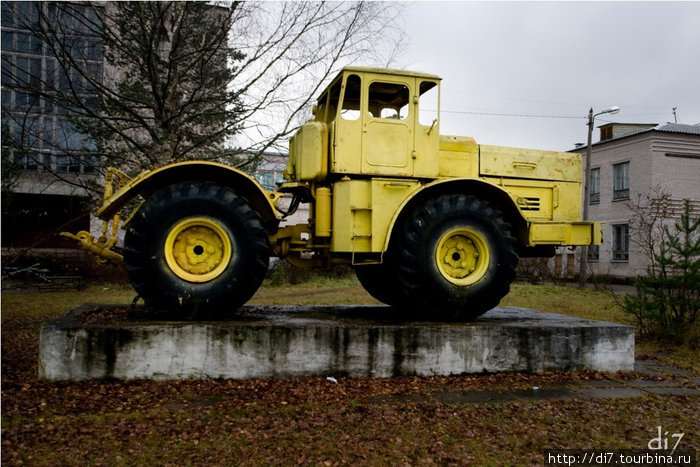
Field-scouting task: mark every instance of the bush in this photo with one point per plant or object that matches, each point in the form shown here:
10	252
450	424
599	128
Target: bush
534	270
667	297
282	272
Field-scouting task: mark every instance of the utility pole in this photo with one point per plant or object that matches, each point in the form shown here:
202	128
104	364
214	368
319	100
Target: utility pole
675	117
583	264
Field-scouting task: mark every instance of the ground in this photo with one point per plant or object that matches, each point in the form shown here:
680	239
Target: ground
495	419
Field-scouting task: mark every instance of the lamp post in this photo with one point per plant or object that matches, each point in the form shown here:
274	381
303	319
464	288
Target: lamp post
586	188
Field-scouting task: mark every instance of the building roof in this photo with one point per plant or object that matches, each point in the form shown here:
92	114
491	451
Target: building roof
668	127
678	128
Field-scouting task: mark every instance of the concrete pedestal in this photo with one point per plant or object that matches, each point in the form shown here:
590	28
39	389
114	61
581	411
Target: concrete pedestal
283	342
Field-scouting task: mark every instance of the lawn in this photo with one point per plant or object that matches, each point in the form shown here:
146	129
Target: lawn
366	421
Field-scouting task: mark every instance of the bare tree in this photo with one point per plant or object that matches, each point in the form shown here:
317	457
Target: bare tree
162	95
293	48
667	298
11	166
651	213
140	84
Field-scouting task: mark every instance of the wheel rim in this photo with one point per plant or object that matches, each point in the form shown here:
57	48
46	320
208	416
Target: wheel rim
198	249
462	256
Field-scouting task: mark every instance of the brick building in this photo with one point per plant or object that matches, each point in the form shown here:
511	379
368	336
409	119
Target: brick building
633	161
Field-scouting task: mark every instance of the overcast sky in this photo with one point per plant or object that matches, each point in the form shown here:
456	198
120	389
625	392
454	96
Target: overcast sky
556	59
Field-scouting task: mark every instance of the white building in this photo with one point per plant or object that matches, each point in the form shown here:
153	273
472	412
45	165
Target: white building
633	162
269	173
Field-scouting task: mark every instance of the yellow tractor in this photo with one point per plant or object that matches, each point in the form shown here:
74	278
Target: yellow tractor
429	222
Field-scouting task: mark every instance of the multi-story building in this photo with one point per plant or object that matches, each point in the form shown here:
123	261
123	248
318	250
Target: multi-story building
632	164
49	160
269	172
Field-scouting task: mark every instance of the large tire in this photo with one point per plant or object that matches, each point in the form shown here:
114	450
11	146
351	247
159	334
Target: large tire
196	248
380	281
457	257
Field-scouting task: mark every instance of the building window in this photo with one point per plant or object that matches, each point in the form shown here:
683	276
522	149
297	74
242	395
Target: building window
594	192
621	181
269	180
621	243
39	137
594	253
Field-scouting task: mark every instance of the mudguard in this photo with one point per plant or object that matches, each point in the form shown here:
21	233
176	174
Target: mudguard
145	184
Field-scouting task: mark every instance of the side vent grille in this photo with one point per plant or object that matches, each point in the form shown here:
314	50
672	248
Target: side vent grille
529	204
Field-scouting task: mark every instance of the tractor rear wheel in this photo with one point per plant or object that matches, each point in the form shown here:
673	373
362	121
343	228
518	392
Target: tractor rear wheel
457	257
198	248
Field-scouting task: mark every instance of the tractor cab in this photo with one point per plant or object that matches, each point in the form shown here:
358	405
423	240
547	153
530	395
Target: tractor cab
376	122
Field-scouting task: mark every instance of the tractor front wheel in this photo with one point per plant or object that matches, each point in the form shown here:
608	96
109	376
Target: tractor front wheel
457	257
198	248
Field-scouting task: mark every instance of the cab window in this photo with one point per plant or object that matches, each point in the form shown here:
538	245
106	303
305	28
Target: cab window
428	103
389	101
328	103
351	98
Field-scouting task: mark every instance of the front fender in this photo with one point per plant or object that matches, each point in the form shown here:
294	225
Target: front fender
147	183
479	188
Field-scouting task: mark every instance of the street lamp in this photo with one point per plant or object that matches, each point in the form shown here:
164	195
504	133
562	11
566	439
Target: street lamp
586	188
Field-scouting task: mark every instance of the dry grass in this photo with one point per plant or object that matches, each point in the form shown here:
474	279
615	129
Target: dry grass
584	303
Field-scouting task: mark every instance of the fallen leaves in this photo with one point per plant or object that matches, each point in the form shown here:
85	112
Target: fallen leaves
397	421
311	421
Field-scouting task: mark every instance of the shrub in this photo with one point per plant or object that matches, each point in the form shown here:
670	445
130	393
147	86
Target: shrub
667	297
282	272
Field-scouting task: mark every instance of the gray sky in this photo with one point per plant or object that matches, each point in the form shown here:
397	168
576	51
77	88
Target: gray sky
556	59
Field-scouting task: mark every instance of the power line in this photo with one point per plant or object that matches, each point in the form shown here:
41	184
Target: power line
497	114
519	99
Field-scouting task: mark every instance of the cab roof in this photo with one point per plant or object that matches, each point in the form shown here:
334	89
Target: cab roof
389	71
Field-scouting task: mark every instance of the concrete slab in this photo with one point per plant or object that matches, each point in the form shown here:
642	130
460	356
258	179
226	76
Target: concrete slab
287	341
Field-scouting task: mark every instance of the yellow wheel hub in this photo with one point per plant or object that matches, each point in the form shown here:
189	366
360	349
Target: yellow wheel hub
462	256
198	249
